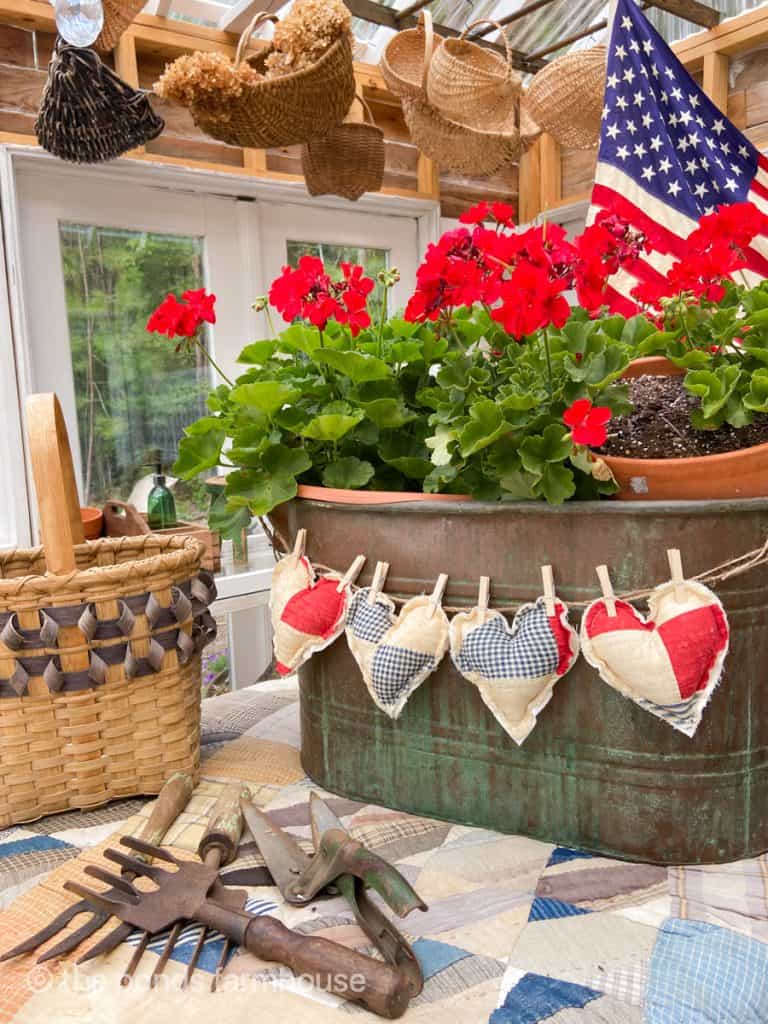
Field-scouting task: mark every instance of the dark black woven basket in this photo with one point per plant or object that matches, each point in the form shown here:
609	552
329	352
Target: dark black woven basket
88	114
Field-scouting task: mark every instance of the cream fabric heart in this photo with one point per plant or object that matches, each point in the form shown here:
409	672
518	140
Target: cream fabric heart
395	653
514	667
669	663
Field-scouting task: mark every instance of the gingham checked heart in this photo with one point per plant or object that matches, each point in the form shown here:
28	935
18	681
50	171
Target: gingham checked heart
395	654
307	615
514	667
670	662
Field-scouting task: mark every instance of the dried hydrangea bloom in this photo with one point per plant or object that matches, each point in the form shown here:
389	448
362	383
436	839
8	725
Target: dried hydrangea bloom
308	30
202	78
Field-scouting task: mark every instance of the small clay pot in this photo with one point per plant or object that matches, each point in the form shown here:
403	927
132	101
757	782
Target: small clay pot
93	522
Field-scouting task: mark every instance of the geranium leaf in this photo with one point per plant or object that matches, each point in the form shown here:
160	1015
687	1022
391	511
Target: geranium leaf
267	395
331	426
440	444
347	473
258	491
281	460
257	353
358	366
298	338
388	413
199	450
486	426
552	446
407	352
556	484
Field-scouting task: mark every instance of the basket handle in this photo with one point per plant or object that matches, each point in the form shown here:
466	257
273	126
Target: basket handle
253	24
425	26
502	33
58	504
367	112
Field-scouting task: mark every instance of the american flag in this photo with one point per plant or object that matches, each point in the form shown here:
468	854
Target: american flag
667	153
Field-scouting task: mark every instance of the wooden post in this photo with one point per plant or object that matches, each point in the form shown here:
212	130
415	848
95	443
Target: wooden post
529	184
125	59
551	172
255	160
428	177
716	68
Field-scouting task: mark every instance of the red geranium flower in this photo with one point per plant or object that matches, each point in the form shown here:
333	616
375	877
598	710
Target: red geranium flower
201	304
587	422
308	291
475	214
503	213
177	319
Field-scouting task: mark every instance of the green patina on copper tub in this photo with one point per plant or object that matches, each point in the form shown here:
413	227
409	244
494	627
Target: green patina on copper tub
597	772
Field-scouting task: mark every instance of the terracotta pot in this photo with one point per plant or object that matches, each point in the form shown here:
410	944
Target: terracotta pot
652	366
739	474
93	522
343	497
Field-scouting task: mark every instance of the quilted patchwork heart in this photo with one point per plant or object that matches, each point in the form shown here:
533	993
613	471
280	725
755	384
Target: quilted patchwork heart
307	614
395	654
514	667
670	662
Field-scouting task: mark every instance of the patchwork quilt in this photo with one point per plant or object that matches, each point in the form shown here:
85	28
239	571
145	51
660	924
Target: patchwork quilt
517	932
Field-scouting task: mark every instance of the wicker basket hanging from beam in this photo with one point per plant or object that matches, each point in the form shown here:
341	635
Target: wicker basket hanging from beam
87	113
346	162
118	15
282	111
472	85
402	62
566	97
457	147
99	651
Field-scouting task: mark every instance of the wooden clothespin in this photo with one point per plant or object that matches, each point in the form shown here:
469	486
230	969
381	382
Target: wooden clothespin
548	580
607	588
300	545
676	571
351	574
379	578
483	596
437	594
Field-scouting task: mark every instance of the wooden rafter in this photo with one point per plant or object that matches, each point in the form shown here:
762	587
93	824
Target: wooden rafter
691	10
508	19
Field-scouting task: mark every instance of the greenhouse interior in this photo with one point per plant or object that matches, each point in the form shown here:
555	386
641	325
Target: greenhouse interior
384	543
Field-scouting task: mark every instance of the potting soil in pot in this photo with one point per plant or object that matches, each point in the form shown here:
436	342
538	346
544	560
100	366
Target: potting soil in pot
660	426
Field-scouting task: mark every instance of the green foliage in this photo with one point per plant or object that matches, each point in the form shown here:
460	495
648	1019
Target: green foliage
407	406
723	347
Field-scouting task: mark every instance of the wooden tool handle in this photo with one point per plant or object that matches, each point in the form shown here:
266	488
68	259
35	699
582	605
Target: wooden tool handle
58	505
377	985
173	798
225	825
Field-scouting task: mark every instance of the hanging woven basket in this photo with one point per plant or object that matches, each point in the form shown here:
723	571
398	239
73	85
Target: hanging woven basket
118	15
566	98
453	146
87	114
402	63
530	131
346	162
471	84
281	111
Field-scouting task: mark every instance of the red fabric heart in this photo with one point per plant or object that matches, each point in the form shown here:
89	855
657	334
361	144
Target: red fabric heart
316	610
693	640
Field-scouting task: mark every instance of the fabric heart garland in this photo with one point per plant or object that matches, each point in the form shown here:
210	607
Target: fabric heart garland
515	667
670	662
396	653
308	614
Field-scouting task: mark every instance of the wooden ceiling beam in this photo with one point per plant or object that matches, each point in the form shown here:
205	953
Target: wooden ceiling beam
509	19
691	10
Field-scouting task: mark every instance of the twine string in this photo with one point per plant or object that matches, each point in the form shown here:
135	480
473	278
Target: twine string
716	574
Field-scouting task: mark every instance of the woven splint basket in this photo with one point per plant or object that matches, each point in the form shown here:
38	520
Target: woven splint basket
99	651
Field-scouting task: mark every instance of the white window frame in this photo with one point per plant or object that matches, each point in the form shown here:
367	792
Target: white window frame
17	161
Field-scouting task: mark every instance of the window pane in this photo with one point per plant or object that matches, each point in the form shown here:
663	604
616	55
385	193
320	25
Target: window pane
134	393
332	255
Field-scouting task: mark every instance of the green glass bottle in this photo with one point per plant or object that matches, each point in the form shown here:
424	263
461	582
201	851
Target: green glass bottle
161	508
